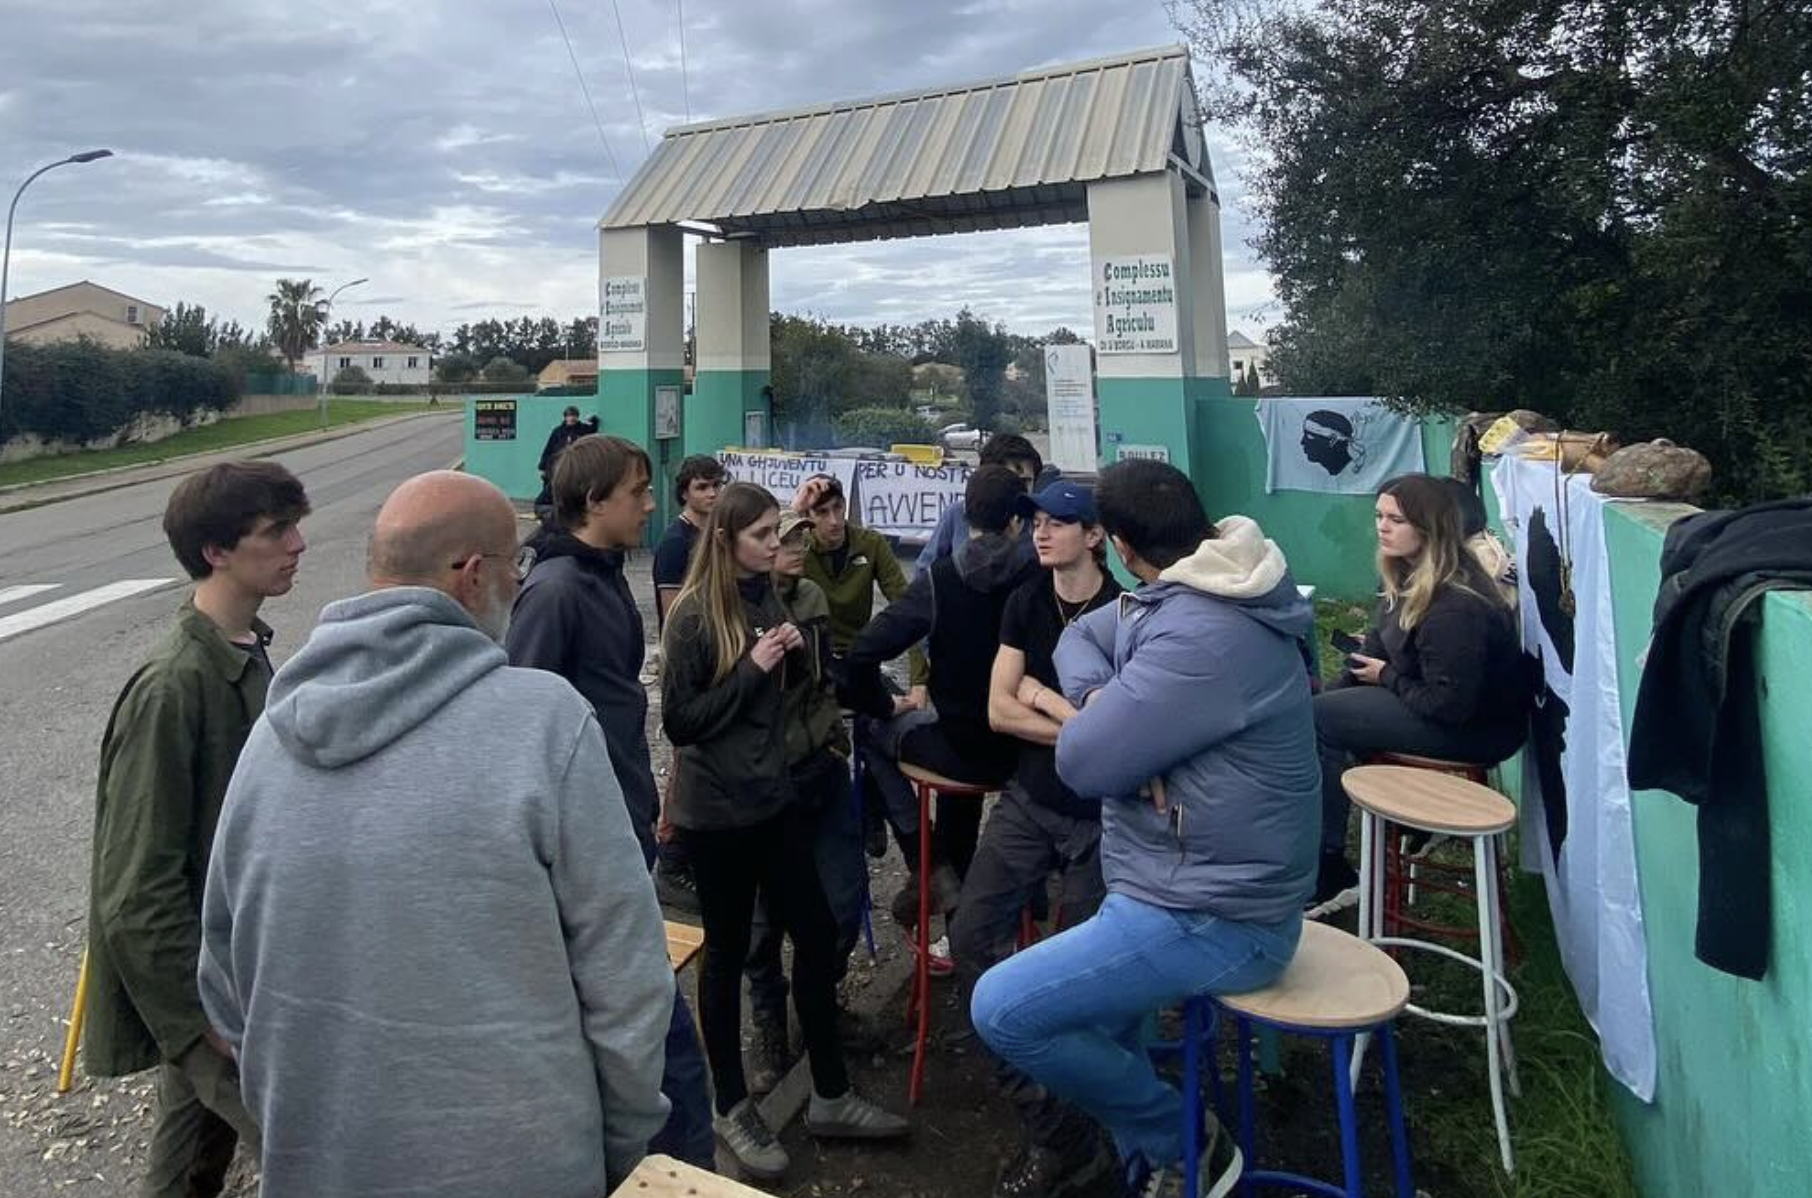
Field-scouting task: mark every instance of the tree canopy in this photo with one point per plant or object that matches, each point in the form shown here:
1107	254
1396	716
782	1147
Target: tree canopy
1600	211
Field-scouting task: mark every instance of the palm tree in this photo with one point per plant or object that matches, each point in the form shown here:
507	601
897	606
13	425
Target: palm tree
296	317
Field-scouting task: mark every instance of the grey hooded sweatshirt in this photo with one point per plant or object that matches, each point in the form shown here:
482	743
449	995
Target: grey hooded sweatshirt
1204	681
428	931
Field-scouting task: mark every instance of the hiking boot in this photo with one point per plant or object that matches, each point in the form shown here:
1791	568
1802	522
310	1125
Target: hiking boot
1040	1172
676	888
1221	1166
1336	887
852	1117
770	1056
750	1142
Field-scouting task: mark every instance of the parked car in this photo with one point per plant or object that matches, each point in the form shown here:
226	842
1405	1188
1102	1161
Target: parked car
960	436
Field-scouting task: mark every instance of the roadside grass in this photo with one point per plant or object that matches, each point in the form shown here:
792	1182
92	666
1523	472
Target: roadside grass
1561	1129
223	434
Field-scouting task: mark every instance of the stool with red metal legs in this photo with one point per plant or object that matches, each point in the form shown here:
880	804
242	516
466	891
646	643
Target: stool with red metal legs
1426	801
918	1006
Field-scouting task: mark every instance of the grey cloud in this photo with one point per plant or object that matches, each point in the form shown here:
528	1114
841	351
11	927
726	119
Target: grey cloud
445	150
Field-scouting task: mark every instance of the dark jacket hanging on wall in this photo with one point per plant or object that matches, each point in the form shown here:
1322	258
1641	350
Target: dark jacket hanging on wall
1697	728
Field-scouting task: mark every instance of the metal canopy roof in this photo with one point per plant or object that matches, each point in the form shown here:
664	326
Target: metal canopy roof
999	154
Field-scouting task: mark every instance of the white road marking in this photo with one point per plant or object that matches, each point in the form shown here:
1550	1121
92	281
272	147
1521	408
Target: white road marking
26	591
75	605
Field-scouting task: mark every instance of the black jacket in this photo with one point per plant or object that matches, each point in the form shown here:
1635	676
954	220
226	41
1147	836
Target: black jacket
1696	730
564	434
729	735
576	618
955	607
1460	666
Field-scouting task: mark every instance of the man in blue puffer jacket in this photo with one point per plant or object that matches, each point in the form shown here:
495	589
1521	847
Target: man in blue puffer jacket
1195	730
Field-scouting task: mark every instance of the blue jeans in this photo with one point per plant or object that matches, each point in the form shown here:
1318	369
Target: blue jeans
687	1134
1067	1011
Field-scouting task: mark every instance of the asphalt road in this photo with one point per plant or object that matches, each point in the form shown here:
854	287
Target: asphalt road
57	684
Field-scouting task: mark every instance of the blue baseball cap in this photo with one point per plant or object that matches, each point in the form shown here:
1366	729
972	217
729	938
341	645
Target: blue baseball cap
1061	500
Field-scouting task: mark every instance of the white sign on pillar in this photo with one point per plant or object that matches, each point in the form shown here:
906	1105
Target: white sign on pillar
1069	396
623	315
1136	305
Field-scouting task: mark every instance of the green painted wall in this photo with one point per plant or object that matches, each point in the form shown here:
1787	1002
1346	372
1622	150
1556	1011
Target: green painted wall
714	410
626	404
1147	411
511	464
1328	539
1735	1082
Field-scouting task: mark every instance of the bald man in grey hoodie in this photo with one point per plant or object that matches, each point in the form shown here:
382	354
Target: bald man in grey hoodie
428	934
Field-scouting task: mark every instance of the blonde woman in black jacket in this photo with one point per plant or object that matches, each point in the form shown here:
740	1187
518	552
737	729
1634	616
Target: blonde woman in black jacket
1439	675
730	648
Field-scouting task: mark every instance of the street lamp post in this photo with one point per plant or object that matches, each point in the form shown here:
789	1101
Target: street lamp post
6	254
326	318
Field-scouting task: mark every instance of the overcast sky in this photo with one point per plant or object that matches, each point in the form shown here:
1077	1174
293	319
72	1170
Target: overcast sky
444	148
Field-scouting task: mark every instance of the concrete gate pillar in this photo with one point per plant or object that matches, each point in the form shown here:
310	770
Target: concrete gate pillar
733	355
1160	315
641	338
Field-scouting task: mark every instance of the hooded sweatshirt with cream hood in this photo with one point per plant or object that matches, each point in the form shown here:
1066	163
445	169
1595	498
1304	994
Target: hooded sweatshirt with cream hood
1204	681
428	932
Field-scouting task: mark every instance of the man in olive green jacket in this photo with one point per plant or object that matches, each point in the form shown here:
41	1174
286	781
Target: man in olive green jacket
169	750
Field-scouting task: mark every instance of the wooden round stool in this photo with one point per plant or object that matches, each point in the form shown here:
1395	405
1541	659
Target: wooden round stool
918	1006
1427	801
1337	988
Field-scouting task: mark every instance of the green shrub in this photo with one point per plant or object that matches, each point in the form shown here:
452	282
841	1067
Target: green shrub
882	427
352	380
82	390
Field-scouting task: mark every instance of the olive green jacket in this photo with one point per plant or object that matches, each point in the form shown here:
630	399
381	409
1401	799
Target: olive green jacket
851	592
169	750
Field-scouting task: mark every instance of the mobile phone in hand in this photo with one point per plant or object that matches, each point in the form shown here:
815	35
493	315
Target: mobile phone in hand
1346	642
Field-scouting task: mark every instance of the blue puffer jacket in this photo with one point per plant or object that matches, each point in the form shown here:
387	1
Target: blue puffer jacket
1204	682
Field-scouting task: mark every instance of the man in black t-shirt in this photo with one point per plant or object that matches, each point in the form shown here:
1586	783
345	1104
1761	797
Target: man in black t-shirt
1040	826
695	488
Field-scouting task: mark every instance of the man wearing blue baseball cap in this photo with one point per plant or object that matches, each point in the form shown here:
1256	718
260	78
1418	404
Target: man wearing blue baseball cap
1040	826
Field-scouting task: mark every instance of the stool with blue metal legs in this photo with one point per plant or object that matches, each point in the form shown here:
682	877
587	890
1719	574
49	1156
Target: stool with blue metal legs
1201	1022
1336	988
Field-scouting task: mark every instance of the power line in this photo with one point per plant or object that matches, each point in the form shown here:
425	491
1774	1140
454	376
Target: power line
598	124
636	95
685	81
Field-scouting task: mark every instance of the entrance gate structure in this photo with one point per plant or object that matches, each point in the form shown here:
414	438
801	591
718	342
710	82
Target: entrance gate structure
1116	142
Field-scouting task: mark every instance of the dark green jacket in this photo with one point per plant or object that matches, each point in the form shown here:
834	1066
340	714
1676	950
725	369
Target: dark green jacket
728	734
169	750
851	592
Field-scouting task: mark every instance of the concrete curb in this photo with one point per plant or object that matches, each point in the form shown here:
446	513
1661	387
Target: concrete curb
162	468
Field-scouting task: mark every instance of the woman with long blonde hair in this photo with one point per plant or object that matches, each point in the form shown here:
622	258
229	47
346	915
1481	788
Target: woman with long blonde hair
730	650
1439	674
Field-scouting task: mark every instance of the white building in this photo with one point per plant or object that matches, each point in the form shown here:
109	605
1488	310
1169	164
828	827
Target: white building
383	361
1242	352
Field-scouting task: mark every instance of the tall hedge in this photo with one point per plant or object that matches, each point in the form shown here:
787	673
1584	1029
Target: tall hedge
881	427
82	390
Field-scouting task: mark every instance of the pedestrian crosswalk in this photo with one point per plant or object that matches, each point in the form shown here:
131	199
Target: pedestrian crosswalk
65	607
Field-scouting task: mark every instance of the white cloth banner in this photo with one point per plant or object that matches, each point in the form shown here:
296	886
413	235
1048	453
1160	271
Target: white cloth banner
904	500
1336	446
782	473
1576	804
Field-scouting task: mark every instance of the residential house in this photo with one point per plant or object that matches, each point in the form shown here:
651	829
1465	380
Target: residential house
83	309
568	372
1242	352
382	361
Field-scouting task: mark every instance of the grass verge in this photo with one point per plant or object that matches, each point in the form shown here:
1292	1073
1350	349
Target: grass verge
223	434
1562	1129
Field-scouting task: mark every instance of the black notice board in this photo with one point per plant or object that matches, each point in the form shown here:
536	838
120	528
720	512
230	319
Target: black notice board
494	419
